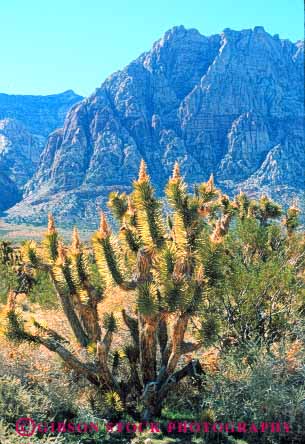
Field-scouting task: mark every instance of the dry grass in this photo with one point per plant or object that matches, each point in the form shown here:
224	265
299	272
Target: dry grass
36	362
29	361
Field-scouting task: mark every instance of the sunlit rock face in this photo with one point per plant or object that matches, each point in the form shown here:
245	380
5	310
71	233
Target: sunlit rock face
231	104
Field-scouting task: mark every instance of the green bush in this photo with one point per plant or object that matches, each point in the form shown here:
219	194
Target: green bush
257	386
9	436
8	280
42	291
42	404
19	400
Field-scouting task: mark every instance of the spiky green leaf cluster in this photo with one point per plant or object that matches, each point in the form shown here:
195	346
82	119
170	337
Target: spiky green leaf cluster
147	300
64	278
15	330
50	247
30	254
109	322
118	204
108	259
149	218
113	401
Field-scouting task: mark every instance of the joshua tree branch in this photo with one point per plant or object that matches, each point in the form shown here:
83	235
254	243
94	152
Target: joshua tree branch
193	368
162	335
87	370
188	347
102	352
69	311
173	350
133	327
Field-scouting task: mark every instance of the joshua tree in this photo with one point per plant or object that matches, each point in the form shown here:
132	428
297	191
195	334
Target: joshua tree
155	257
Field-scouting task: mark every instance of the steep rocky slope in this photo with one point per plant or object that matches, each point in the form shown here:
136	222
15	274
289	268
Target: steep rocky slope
8	191
231	104
25	122
40	114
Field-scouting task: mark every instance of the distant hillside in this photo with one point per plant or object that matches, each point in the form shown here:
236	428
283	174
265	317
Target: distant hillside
25	123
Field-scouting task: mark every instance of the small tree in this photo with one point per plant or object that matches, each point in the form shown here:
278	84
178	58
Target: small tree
259	290
15	277
168	262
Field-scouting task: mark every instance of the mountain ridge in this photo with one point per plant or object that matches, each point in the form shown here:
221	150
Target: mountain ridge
231	104
25	123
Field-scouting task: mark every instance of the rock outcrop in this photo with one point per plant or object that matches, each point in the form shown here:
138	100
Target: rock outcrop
231	104
25	122
8	191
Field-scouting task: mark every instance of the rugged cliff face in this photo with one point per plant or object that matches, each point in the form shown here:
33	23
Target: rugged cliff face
25	122
8	191
231	104
40	114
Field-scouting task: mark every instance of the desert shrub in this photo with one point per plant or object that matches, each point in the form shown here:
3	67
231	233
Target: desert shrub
252	384
19	400
13	276
107	405
8	279
8	275
9	436
259	386
42	291
256	284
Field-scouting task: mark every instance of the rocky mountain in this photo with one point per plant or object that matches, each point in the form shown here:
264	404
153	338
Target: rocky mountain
25	122
231	104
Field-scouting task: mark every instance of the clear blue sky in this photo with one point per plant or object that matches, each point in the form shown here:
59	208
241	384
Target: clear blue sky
48	46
